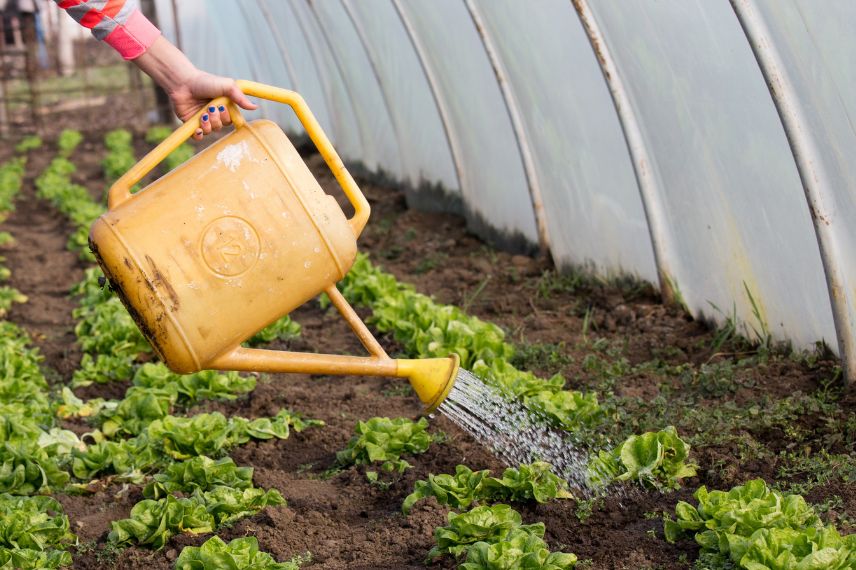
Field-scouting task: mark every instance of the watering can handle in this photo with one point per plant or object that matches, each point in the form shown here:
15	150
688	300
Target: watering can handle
121	190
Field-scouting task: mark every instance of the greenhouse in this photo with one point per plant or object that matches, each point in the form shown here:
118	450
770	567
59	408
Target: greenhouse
479	284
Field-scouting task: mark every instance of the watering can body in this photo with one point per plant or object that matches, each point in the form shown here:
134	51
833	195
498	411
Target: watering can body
235	238
217	249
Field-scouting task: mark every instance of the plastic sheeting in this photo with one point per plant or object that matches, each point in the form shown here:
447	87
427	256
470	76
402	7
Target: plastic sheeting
417	90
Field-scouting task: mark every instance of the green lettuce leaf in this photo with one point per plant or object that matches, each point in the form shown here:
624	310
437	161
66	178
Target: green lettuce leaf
239	554
200	473
489	524
385	440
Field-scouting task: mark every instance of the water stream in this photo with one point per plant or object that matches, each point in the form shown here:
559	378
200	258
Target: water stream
513	433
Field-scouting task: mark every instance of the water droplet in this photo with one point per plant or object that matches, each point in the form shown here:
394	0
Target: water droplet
514	433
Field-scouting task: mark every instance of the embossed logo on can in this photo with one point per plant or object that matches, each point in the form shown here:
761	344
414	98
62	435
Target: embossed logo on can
230	246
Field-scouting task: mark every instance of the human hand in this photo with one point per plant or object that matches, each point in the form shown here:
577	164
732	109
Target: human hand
197	91
190	89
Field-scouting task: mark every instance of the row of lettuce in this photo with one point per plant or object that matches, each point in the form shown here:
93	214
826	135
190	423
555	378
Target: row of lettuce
34	531
193	486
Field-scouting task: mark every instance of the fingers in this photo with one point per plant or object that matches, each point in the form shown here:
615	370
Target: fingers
224	115
214	118
205	123
239	98
198	134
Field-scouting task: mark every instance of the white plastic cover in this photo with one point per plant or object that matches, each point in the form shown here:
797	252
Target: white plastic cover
738	218
594	212
492	179
407	86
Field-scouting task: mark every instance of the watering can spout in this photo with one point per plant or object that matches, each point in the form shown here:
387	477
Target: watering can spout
431	378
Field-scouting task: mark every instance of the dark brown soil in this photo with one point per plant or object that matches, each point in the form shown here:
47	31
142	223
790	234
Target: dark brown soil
45	272
344	521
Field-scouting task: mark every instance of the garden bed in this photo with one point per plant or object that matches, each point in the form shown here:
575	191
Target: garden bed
748	413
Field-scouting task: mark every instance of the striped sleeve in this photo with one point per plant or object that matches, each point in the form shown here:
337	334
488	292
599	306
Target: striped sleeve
119	23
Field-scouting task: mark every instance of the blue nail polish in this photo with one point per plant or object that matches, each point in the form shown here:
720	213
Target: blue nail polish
222	108
212	109
204	118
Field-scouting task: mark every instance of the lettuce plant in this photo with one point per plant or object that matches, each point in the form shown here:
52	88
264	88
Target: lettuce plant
33	523
761	529
457	491
482	524
282	329
385	440
228	505
239	554
154	522
172	437
67	142
11	180
129	459
27	559
200	473
27	469
140	407
528	482
567	409
520	549
120	154
534	481
494	538
657	460
28	143
192	388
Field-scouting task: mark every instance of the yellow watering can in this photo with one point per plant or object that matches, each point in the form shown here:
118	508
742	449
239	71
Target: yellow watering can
235	238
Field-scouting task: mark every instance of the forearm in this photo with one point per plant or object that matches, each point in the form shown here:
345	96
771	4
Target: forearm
167	66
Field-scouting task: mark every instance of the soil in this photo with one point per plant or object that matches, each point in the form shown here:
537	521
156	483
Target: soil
342	519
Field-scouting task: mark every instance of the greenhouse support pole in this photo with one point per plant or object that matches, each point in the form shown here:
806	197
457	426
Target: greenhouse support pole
280	44
652	197
831	236
521	136
361	35
442	109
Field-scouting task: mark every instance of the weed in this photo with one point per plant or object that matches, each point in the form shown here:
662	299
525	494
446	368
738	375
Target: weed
833	511
552	282
586	507
392	252
430	262
109	553
814	470
549	357
397	389
470	299
762	332
587	322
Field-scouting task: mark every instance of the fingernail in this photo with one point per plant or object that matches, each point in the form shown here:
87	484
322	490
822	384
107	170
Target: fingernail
198	131
212	109
222	108
205	118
